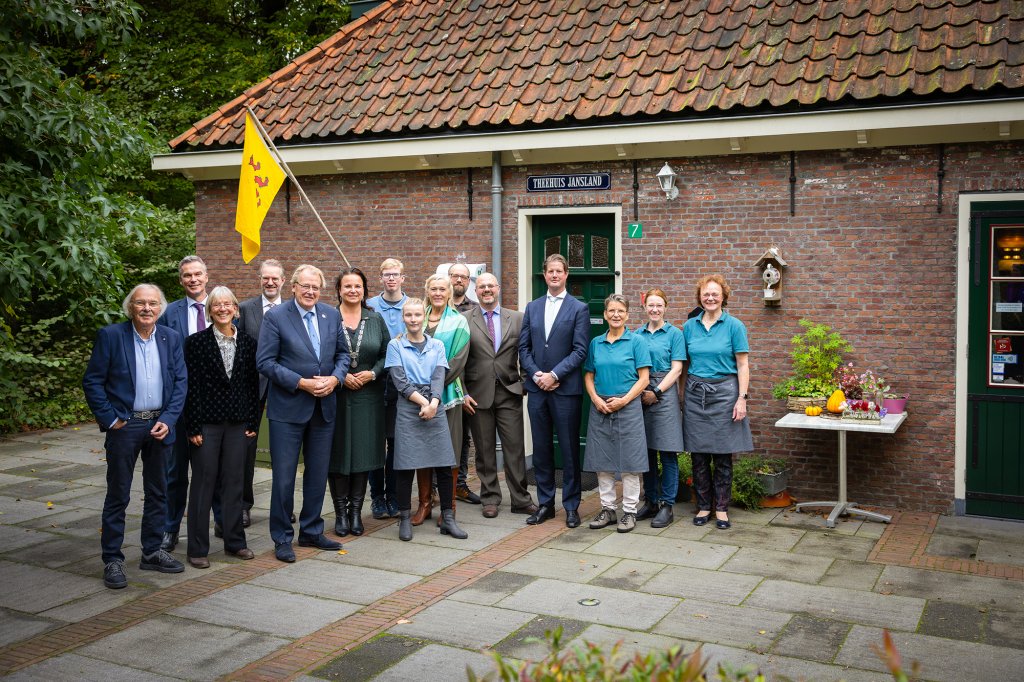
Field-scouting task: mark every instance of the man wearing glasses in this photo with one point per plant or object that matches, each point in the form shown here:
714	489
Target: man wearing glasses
383	499
304	353
135	385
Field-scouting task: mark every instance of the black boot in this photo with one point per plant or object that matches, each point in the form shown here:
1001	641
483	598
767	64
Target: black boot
664	517
339	495
646	510
404	526
355	515
449	527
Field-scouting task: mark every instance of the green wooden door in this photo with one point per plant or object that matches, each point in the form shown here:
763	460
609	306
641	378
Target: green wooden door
587	240
995	379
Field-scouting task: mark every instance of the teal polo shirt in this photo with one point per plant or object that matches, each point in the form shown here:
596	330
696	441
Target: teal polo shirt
712	352
615	365
665	345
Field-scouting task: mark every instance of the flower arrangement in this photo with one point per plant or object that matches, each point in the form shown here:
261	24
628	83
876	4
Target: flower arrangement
816	353
849	381
871	384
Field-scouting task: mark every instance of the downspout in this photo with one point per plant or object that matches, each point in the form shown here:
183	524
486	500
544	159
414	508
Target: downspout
496	196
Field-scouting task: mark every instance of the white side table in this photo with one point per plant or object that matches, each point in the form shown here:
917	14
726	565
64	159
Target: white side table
889	424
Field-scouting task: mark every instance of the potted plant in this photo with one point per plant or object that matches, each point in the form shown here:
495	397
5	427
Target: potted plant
774	475
873	387
816	354
895	403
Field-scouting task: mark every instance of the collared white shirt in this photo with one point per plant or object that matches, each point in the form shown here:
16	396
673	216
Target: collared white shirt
551	308
268	304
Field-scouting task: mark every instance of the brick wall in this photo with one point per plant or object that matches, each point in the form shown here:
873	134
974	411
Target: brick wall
867	250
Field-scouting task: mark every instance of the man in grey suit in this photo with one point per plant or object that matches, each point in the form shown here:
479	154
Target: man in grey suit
304	353
250	319
495	398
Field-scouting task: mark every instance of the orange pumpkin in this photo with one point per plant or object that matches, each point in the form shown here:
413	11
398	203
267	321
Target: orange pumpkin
812	410
834	402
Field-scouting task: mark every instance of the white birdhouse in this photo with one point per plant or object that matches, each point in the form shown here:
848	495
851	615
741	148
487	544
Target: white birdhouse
771	265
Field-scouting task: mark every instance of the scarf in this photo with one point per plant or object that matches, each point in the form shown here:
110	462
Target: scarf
453	331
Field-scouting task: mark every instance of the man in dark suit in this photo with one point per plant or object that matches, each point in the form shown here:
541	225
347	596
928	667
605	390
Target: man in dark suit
250	319
303	351
495	398
552	348
135	385
186	316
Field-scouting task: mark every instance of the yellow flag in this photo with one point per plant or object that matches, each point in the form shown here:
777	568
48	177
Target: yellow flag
258	184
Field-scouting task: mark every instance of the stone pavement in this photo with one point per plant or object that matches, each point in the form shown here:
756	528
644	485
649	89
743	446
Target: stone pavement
778	591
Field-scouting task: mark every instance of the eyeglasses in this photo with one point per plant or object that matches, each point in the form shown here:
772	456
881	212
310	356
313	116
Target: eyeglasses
391	275
146	304
309	287
223	306
485	287
458	277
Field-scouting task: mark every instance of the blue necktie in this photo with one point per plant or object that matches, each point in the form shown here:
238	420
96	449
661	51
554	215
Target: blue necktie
313	336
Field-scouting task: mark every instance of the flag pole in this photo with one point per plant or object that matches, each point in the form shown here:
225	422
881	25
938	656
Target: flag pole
291	176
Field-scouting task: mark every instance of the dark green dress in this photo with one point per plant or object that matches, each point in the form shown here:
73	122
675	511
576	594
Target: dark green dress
359	427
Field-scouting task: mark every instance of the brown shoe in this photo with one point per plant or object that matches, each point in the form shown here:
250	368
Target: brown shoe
198	562
244	553
490	511
528	509
464	494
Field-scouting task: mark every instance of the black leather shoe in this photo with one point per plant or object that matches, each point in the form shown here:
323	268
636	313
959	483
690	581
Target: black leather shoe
722	524
701	520
169	542
664	517
114	576
543	513
161	561
572	518
284	552
528	509
647	511
246	518
319	541
218	531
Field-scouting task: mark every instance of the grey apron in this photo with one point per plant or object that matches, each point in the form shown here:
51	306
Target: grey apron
420	444
662	420
707	417
616	441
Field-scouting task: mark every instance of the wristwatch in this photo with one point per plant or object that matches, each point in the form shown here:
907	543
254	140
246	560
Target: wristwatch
745	396
657	392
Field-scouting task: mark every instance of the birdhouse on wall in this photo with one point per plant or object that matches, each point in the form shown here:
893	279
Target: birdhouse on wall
771	265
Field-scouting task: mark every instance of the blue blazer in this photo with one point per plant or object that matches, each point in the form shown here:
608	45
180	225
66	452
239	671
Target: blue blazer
284	354
176	317
109	380
565	349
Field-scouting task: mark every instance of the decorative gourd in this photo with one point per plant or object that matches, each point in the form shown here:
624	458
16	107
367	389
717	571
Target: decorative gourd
812	410
834	402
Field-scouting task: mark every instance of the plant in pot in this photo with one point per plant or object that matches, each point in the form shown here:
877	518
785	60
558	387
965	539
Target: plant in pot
747	486
895	403
816	354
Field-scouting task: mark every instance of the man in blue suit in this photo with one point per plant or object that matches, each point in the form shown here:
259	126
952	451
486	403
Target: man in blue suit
552	347
135	385
303	351
186	316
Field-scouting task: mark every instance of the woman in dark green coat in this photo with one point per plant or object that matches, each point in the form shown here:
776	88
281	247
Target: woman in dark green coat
359	427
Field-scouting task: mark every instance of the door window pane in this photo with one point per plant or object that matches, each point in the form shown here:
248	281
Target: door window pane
1006	351
1008	252
1008	306
576	242
551	245
598	252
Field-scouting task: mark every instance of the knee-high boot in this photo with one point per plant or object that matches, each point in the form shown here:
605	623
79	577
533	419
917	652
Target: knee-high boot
423	512
339	495
357	493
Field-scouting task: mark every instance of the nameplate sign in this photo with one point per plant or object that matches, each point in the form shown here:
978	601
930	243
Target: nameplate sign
568	183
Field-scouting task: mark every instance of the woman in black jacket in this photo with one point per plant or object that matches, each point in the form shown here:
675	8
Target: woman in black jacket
221	411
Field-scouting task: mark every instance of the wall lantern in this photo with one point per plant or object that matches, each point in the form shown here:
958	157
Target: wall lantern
771	265
667	180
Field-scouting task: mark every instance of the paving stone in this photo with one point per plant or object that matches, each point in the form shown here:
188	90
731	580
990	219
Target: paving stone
783	565
723	624
767	537
11	462
531	641
9	479
953	587
814	519
855	575
433	658
696	583
630	641
403	557
974	527
96	603
182	648
998	552
67	498
37	489
34	467
818	639
871	530
59	551
16	626
941	659
835	545
575	566
615	607
355	584
15	510
13	538
949	545
577	540
261	609
685	530
461	624
480	535
667	550
32	589
953	621
1004	628
777	667
69	472
492	588
370	659
837	603
628	574
72	666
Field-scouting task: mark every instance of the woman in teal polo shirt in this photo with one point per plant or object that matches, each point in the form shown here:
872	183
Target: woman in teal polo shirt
715	421
615	374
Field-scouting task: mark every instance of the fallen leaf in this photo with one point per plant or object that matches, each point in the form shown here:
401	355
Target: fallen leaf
761	632
342	551
700	615
49	505
403	621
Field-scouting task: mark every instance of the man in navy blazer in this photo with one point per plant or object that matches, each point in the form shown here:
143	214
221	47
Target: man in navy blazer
552	347
304	353
186	316
135	385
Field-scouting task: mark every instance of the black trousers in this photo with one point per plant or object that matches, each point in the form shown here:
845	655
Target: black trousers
702	480
445	489
220	457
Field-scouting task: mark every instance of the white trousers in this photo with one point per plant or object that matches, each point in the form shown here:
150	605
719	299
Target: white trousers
630	490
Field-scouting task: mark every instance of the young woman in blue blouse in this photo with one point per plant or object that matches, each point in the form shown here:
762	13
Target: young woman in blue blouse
715	421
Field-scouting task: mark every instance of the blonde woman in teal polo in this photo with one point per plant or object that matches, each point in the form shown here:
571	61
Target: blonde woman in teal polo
715	421
615	373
